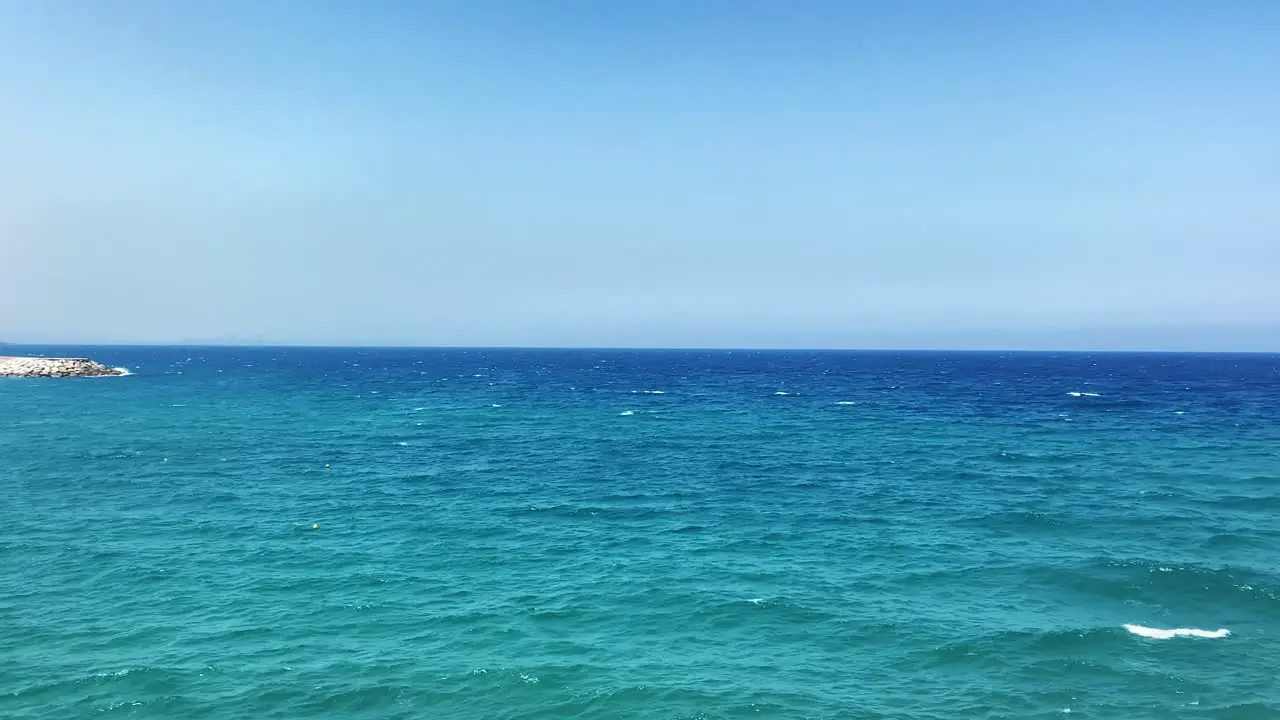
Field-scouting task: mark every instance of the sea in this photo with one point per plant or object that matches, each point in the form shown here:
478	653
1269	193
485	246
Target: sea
232	533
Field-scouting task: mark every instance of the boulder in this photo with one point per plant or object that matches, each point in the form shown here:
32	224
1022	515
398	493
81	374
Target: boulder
55	367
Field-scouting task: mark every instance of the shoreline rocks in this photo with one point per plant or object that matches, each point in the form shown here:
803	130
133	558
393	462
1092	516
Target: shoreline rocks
34	367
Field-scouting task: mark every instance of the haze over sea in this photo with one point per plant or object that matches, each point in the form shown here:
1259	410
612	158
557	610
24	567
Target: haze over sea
410	533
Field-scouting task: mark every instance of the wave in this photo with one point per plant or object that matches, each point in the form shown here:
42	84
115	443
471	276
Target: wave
846	402
119	372
782	393
1084	394
1159	634
1023	642
624	413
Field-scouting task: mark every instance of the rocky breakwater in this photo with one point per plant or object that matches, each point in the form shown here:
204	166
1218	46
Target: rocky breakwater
55	367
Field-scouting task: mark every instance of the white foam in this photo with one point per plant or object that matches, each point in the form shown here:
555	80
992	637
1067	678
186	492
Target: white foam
495	405
655	392
402	443
119	372
1084	394
1158	634
626	412
756	601
782	393
846	402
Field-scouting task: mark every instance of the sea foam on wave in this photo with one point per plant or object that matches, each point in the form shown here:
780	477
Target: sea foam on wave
1159	634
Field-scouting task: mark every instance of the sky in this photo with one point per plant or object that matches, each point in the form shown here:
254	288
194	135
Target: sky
698	173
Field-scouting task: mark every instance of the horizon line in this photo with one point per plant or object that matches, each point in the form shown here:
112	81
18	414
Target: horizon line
652	348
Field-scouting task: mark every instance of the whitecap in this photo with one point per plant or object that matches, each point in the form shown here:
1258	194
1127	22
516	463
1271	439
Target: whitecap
1084	394
1159	634
655	392
756	601
402	443
846	402
495	405
782	393
626	412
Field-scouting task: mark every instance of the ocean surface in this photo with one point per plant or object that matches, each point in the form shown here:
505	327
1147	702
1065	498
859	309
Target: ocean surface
237	533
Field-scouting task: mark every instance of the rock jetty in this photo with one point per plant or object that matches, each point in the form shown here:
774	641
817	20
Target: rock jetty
55	367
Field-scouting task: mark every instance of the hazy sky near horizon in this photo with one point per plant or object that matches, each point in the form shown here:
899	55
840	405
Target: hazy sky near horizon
661	173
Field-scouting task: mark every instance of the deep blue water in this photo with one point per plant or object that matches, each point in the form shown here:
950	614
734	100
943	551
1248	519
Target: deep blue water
610	534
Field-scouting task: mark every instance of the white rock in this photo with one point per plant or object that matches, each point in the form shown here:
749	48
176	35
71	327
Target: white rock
54	367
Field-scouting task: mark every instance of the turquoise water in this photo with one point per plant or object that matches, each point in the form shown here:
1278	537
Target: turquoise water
522	534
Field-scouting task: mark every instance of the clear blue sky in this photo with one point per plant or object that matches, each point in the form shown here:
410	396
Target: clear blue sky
659	173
